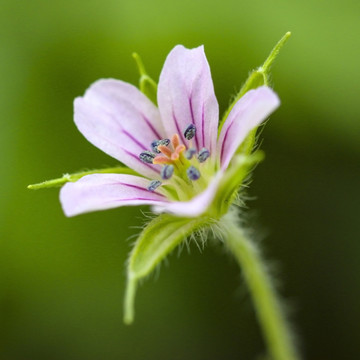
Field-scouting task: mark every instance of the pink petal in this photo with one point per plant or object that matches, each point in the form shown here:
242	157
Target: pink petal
107	191
120	120
194	207
186	96
249	112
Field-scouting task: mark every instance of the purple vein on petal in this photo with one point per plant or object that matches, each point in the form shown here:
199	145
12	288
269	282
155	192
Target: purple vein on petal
193	122
147	121
136	141
138	188
203	127
129	153
224	142
180	133
138	198
157	135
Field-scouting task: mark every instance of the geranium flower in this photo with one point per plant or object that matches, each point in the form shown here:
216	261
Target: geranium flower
181	161
185	164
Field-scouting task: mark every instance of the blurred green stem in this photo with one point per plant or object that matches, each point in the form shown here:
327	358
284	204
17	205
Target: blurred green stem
129	300
275	329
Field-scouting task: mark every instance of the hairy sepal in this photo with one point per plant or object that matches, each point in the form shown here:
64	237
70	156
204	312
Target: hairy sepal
76	176
238	170
146	84
257	77
155	242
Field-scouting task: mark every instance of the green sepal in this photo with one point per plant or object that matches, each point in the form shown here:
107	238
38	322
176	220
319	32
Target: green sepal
155	242
247	145
240	168
146	84
76	176
258	77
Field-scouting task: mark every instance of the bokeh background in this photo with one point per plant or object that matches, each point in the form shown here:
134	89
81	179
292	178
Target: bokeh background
62	280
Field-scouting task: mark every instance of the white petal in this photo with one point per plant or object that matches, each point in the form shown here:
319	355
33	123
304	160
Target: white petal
107	191
120	120
186	96
249	112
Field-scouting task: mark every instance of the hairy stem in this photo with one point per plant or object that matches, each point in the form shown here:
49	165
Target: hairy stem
129	300
272	321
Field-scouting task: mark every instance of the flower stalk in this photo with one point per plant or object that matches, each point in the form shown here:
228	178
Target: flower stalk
275	329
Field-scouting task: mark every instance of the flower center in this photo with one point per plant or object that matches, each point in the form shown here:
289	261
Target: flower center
183	169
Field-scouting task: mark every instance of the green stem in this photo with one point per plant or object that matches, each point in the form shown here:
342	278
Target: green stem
275	329
129	300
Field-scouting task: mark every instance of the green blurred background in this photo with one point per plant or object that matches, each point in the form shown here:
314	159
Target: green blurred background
62	280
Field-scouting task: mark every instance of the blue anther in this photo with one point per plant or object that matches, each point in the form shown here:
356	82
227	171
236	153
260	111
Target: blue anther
154	145
164	142
190	153
154	184
147	157
190	131
167	172
203	155
193	173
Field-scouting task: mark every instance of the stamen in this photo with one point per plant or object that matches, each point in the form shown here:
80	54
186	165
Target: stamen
190	131
165	142
154	184
165	150
175	141
203	155
190	153
161	160
193	173
167	172
155	144
147	157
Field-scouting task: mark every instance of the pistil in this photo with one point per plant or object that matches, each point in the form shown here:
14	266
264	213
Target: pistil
178	163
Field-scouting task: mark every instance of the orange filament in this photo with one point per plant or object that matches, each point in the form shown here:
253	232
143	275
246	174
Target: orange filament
162	160
168	156
175	141
165	150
